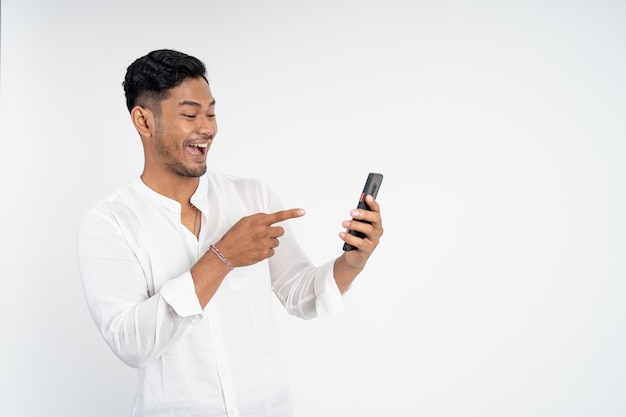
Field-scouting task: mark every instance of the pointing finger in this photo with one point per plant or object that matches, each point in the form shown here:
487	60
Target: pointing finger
280	216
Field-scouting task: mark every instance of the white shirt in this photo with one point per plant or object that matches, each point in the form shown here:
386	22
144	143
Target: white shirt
135	256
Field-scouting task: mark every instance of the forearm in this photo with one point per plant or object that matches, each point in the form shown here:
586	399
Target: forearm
139	313
344	273
141	332
208	274
305	290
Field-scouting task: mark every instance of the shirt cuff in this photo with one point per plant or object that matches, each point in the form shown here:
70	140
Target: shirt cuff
180	294
329	299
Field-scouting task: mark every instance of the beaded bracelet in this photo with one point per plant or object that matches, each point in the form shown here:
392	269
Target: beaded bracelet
217	252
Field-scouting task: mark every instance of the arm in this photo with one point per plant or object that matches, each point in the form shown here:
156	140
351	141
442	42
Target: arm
307	291
351	263
251	240
138	322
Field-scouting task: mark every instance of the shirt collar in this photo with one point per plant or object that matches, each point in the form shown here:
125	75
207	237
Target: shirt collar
198	199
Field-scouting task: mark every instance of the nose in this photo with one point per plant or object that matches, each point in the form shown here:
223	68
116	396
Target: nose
207	127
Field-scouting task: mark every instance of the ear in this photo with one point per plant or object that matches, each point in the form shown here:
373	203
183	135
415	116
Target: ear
144	122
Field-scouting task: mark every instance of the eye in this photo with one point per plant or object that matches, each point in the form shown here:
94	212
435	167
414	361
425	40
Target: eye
210	116
190	116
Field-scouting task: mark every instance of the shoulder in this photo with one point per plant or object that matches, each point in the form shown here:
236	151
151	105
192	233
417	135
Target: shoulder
122	203
228	182
118	198
222	178
251	190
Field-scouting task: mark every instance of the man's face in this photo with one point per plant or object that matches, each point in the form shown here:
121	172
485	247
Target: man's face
185	128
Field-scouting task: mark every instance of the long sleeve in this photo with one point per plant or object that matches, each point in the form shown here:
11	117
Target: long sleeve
305	290
135	256
137	323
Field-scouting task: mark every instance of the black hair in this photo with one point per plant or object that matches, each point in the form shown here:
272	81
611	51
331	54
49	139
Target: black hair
149	78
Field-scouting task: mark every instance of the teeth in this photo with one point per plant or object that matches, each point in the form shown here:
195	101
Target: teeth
200	145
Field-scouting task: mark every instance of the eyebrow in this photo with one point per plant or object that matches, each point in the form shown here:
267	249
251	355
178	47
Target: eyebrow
194	103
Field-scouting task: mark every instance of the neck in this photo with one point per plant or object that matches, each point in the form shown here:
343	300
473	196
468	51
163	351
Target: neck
176	187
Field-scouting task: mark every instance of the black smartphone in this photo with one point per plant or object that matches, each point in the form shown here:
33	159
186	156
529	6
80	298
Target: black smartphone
372	185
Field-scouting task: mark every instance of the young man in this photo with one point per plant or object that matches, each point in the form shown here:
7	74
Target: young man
179	266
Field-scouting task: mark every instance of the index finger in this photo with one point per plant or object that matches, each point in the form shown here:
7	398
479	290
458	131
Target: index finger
282	215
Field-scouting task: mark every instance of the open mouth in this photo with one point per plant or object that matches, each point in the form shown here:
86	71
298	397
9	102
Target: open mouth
197	149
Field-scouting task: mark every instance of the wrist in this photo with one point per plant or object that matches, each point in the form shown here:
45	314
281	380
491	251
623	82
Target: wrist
221	257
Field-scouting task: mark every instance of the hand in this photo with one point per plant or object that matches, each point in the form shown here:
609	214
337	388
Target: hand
254	238
372	230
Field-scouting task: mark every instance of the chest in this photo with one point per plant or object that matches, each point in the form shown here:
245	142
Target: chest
165	245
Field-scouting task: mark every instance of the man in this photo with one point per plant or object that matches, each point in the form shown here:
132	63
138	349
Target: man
178	267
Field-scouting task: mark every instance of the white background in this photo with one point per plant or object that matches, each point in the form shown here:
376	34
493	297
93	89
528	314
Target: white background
499	286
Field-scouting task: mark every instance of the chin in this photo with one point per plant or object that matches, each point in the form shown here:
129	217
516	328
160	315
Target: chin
188	171
195	172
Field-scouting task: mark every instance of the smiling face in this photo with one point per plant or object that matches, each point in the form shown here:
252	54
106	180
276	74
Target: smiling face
184	129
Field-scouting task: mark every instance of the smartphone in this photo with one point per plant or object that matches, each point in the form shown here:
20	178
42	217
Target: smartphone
372	185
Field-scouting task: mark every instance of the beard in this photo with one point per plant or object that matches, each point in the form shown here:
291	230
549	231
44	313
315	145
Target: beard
168	155
186	171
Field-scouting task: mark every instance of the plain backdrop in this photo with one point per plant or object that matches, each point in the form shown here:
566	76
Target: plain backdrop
499	286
